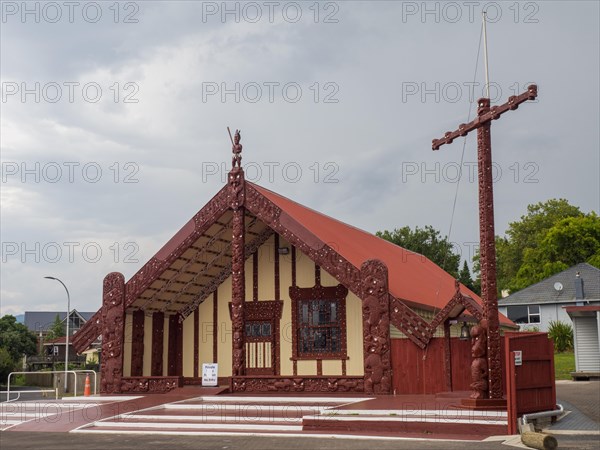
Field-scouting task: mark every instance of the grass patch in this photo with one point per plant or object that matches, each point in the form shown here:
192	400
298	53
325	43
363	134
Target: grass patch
564	364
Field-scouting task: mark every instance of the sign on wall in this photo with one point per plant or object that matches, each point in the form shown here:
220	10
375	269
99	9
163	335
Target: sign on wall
210	374
518	357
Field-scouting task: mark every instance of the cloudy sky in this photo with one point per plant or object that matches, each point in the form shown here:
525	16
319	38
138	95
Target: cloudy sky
114	116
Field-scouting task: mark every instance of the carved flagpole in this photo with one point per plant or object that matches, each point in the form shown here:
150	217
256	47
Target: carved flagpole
238	295
487	251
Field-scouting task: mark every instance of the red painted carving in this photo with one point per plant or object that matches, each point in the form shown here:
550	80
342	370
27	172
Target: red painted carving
457	304
113	318
196	341
262	311
487	252
137	344
151	385
236	198
255	277
215	325
316	384
376	327
88	333
158	330
236	149
479	367
175	357
447	356
276	268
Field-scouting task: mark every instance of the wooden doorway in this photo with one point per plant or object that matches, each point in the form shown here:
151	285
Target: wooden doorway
261	337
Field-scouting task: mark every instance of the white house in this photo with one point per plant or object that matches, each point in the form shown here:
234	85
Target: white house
539	304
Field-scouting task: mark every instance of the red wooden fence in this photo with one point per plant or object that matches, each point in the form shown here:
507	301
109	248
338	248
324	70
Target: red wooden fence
417	371
531	386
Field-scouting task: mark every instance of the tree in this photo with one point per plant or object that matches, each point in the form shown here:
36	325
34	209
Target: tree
7	364
15	341
56	330
427	242
527	234
552	236
464	276
570	241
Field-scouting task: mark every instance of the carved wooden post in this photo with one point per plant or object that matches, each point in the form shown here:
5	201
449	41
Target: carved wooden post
137	344
113	333
236	197
376	327
448	355
487	250
158	330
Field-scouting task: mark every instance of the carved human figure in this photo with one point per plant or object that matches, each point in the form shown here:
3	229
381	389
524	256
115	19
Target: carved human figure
238	354
236	149
376	380
479	365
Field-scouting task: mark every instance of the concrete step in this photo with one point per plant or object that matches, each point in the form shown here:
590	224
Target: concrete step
409	423
300	416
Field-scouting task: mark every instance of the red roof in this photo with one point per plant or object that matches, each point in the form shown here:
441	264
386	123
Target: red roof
412	277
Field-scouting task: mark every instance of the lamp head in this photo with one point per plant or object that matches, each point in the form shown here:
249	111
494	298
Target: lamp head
464	332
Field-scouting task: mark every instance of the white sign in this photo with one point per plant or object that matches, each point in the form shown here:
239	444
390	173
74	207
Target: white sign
209	374
518	358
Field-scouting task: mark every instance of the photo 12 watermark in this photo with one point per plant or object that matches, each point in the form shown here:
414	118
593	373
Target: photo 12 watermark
68	171
269	92
452	172
454	91
274	171
69	92
455	12
69	252
70	12
271	12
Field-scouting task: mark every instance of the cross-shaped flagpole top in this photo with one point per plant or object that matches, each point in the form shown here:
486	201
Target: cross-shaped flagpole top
493	113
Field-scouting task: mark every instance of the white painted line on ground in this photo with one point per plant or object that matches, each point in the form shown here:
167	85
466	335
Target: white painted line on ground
101	398
317	400
574	432
453	413
245	408
199	426
170	418
9	421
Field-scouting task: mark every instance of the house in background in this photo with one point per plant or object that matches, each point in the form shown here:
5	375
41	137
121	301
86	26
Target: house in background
40	322
539	304
51	352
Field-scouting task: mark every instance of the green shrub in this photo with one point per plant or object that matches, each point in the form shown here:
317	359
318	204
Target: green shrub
562	334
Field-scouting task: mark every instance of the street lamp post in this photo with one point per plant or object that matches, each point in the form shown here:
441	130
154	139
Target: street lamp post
67	336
